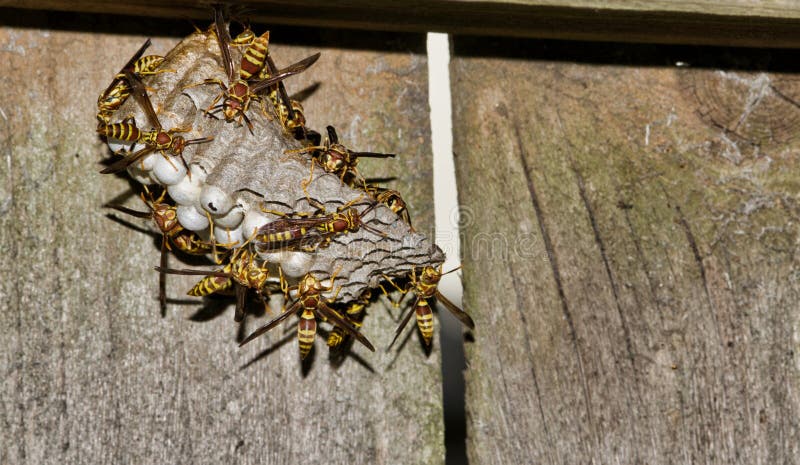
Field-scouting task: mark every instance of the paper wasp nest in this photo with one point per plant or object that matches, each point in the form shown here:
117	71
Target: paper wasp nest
238	175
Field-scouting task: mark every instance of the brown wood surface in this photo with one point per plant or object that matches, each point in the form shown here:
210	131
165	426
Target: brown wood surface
630	253
91	373
720	22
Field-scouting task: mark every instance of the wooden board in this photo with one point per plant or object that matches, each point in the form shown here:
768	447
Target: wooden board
631	252
723	22
91	372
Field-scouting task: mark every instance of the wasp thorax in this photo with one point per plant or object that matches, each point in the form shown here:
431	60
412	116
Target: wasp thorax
165	217
162	138
244	38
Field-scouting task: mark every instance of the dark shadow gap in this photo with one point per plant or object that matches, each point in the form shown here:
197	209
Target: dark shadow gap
627	54
453	388
179	28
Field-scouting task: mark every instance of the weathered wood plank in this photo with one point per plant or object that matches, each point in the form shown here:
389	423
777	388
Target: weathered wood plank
91	373
724	22
630	255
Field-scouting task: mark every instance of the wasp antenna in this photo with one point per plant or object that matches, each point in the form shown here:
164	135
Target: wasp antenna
248	122
129	211
200	140
453	270
373	230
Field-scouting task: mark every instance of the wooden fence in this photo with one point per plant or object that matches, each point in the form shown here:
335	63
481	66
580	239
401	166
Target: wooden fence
630	227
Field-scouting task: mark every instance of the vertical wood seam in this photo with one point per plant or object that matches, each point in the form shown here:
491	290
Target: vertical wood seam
553	260
519	299
623	321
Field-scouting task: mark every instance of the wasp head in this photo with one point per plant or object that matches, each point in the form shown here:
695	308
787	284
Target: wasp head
430	276
178	144
308	285
333	161
231	109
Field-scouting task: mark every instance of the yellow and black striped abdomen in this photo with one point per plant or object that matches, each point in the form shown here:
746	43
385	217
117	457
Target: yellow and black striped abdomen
353	315
115	97
335	337
254	57
424	320
306	331
282	236
210	285
121	131
147	65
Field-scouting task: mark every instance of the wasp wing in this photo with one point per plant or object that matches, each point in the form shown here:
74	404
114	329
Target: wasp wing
128	66
282	94
218	273
457	312
162	278
140	94
126	161
290	70
241	299
275	322
403	324
334	317
130	211
224	40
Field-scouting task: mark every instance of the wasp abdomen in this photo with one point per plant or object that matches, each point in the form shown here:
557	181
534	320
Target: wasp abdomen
306	330
254	57
424	320
121	131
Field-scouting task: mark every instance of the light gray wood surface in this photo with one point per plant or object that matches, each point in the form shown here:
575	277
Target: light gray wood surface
630	253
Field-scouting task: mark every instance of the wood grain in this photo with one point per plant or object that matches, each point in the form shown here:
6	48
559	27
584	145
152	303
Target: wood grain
724	22
91	372
630	253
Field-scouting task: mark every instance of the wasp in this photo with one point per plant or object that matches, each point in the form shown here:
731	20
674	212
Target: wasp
155	140
243	272
308	233
237	95
256	59
119	90
353	314
311	305
293	118
335	158
392	199
172	233
290	112
425	287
